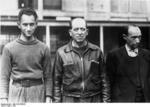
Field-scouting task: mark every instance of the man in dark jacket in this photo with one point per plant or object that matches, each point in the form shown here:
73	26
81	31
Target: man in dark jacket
78	69
129	69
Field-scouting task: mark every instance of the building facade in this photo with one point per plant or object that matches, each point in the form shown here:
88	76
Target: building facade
105	18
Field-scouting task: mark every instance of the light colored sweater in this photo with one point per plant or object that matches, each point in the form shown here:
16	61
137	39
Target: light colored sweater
25	60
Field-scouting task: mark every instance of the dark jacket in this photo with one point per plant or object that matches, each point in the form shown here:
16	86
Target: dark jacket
79	76
123	78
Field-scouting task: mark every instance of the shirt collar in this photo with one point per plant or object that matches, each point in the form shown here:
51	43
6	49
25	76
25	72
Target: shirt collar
74	45
132	53
70	47
130	50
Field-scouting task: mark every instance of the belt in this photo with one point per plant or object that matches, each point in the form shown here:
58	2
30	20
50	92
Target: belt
27	82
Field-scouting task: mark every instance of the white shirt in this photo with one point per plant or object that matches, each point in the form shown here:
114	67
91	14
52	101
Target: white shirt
131	53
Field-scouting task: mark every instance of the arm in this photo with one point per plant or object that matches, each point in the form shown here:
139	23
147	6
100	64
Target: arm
110	69
5	71
57	78
105	81
47	75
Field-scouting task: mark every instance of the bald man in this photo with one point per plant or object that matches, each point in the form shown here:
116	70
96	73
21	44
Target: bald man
129	69
78	69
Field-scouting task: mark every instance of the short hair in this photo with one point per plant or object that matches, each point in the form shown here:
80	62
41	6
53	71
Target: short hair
27	11
70	23
126	28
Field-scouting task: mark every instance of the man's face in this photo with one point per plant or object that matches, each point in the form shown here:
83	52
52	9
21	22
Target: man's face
27	24
134	37
78	31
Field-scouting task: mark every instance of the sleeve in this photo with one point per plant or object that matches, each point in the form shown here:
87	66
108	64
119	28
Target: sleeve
105	82
5	71
57	78
110	69
47	72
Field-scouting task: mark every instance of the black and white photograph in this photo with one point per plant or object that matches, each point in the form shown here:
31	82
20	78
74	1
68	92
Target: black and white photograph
75	52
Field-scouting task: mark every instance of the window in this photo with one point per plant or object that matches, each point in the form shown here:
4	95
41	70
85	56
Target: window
131	6
27	4
119	6
8	34
138	6
59	37
52	4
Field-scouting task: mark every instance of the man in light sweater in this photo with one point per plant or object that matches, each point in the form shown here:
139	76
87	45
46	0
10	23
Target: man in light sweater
25	69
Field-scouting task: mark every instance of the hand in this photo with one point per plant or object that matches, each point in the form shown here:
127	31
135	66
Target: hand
3	100
48	100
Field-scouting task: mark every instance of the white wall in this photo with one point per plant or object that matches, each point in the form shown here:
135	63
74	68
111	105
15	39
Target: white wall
73	5
8	7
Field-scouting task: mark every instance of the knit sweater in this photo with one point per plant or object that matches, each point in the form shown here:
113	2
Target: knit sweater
25	60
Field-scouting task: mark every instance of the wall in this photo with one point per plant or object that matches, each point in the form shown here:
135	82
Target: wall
8	7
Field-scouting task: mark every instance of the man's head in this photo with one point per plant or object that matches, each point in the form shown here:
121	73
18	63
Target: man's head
27	22
132	36
78	30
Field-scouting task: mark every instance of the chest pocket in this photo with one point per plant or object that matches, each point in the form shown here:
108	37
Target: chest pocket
94	56
94	60
69	69
67	59
68	64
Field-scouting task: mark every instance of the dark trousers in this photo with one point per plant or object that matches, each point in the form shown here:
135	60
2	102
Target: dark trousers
139	95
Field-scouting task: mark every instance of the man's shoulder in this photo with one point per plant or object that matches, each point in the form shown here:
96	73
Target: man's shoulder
116	50
145	54
146	51
41	44
11	44
66	47
63	48
93	46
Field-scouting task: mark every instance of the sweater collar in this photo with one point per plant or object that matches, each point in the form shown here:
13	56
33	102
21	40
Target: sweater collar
35	41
